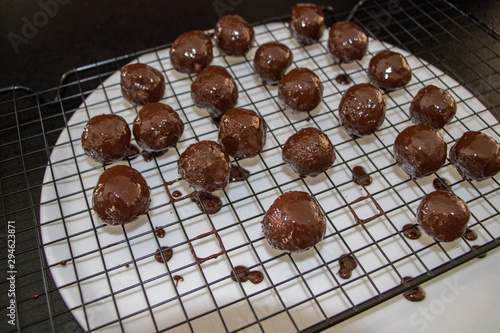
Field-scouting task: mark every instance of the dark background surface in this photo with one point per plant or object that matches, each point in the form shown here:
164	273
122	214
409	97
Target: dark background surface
76	33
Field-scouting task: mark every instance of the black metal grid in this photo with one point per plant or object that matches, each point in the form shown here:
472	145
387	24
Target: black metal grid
31	125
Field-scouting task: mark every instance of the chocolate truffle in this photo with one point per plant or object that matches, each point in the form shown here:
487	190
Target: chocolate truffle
309	152
362	110
121	195
142	84
106	138
420	150
271	62
443	215
300	90
157	127
347	42
476	156
191	52
205	166
294	222
389	70
233	35
242	132
307	23
432	106
214	90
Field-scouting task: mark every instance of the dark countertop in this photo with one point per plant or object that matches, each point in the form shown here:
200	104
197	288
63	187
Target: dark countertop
77	33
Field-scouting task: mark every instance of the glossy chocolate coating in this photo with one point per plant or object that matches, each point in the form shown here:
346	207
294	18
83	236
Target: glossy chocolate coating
191	52
214	90
142	84
233	35
157	127
271	62
121	195
476	156
300	90
347	42
309	152
242	132
307	23
432	106
106	138
294	222
443	215
362	110
205	166
389	70
420	150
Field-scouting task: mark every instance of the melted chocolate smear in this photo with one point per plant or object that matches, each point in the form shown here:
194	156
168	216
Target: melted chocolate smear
178	278
176	194
167	253
151	155
482	255
111	245
441	184
34	296
127	265
160	232
416	294
368	219
347	265
343	79
245	275
308	118
212	203
412	231
213	256
63	262
470	235
237	174
133	152
360	176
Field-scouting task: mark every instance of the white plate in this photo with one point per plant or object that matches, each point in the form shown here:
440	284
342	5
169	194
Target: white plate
123	284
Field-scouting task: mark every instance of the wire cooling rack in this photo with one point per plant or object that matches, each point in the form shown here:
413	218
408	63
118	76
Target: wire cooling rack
108	276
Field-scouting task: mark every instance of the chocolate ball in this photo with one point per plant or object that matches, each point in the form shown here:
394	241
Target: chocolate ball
476	156
307	23
309	152
205	166
389	70
106	138
121	195
443	215
157	127
362	110
271	62
142	84
191	52
347	42
300	90
214	90
294	222
420	150
432	106
233	35
242	133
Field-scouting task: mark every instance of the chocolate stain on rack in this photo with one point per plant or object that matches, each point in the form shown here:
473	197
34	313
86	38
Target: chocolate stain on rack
177	279
167	254
238	174
441	184
343	79
244	275
368	219
415	294
160	232
360	176
347	264
214	232
411	231
470	234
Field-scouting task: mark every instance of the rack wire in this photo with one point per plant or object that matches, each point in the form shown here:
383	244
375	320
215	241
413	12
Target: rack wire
300	292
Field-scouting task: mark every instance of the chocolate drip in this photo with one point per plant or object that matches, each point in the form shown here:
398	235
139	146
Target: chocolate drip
347	265
160	232
149	156
360	176
480	256
213	256
412	231
63	262
127	265
245	275
207	201
415	294
441	184
238	174
470	235
167	254
34	296
343	79
110	245
176	194
178	278
363	221
133	152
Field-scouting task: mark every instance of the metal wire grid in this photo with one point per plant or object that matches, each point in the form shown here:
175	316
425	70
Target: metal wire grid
32	125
